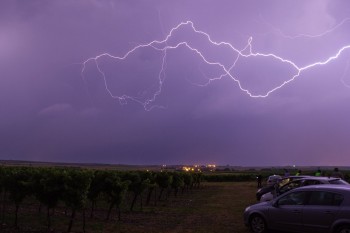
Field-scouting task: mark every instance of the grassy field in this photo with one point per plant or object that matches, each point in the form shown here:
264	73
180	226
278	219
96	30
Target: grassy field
214	207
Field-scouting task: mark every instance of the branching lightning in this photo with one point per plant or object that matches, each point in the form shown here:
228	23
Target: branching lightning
227	70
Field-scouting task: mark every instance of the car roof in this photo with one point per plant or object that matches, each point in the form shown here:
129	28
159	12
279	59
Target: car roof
287	177
316	178
275	176
319	178
324	187
295	177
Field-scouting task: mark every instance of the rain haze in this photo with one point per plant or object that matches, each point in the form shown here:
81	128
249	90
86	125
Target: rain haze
276	92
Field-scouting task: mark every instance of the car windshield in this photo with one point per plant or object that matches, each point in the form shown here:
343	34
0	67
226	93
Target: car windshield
274	178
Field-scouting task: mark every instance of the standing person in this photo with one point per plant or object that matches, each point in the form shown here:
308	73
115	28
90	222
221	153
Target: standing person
337	174
318	172
259	179
286	173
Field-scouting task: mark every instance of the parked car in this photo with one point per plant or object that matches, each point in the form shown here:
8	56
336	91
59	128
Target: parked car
315	208
311	180
272	181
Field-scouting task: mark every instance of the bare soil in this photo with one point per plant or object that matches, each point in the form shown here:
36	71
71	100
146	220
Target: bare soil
214	207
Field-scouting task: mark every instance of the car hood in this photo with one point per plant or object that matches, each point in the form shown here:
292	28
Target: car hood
260	205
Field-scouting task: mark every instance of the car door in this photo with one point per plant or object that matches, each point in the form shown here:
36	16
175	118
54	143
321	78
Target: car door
286	213
320	211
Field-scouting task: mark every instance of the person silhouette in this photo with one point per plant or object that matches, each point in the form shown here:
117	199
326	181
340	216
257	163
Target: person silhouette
337	174
318	172
259	180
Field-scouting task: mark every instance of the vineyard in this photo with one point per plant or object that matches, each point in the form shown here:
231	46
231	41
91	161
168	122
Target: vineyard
66	199
68	194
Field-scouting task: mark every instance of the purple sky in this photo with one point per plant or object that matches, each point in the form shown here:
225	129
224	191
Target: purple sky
52	111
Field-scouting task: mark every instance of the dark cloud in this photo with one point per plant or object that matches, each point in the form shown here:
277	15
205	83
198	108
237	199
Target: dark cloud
52	111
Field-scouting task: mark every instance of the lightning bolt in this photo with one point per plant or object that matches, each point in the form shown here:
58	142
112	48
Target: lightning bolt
226	70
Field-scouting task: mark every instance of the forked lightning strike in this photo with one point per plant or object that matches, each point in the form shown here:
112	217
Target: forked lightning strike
246	52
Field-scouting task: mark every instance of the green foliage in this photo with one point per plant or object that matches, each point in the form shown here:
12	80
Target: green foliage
18	183
228	177
178	181
114	187
76	187
197	178
188	179
164	179
138	183
2	178
97	184
150	177
48	186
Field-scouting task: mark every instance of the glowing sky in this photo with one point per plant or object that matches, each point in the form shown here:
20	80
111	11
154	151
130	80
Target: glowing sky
168	106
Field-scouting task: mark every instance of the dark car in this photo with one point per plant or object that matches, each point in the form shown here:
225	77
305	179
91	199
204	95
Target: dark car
316	208
271	185
310	180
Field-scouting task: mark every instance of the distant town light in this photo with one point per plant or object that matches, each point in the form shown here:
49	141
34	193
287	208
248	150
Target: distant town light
193	168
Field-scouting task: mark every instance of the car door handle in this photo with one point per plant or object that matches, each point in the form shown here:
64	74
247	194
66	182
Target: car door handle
328	212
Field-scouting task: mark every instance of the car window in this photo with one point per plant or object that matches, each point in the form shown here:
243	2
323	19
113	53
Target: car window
338	199
289	186
311	182
325	198
294	198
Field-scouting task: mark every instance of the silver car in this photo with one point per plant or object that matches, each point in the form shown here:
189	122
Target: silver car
316	208
310	180
271	185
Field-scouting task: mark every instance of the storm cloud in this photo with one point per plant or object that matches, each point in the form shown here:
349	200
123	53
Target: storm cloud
53	110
